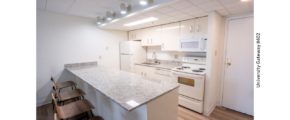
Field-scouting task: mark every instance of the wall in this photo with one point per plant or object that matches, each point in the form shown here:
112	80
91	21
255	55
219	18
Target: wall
216	28
65	39
169	55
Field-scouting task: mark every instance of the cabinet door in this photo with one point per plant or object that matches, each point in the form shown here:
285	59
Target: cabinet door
138	69
131	35
187	29
146	37
155	36
201	26
138	34
135	35
170	37
145	71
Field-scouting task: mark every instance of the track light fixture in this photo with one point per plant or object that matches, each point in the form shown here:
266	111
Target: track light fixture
110	15
100	20
124	8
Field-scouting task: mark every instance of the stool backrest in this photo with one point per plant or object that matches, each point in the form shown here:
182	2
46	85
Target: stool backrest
54	99
53	83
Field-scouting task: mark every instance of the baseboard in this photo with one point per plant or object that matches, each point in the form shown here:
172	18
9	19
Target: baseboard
211	108
43	103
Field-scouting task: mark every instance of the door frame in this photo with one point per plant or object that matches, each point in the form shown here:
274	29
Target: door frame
224	55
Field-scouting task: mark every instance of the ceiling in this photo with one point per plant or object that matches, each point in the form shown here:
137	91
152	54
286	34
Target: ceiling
165	10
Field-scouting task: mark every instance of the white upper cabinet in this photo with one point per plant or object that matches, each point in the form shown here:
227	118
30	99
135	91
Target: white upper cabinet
194	28
170	37
151	36
187	29
135	35
189	35
201	26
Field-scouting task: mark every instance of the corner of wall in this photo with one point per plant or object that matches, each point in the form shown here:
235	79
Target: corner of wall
214	61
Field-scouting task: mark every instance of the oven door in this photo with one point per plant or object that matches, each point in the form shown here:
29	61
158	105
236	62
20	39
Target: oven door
191	85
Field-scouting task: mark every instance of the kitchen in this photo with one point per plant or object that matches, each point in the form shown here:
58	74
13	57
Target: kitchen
148	59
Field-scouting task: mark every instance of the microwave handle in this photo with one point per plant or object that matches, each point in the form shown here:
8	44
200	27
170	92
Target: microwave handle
203	45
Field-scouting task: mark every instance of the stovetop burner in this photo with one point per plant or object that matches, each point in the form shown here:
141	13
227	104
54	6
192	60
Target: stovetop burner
201	68
196	70
183	67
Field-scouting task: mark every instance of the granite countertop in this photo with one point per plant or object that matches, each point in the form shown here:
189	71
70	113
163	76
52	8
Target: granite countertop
129	90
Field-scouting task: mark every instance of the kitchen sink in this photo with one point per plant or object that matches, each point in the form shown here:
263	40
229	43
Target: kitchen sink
151	63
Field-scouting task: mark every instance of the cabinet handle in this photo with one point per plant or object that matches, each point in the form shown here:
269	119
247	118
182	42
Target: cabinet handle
190	28
198	28
151	40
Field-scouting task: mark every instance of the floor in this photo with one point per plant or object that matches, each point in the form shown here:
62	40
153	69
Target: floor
220	113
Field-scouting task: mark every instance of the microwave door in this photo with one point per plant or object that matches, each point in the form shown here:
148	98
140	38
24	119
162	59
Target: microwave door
190	46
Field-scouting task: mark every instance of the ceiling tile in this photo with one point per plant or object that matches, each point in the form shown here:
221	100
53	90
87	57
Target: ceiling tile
61	6
165	10
210	6
240	10
198	2
181	5
88	8
41	4
223	12
229	1
191	10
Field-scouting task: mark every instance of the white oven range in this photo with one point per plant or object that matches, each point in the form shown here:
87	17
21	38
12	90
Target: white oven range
191	90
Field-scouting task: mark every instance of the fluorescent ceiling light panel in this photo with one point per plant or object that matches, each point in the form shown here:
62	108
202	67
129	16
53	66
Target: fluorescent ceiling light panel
143	2
146	20
132	103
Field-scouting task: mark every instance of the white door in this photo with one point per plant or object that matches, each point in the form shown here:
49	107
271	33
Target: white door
238	90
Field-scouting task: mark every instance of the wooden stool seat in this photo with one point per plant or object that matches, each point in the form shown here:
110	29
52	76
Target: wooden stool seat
70	94
73	109
65	84
60	85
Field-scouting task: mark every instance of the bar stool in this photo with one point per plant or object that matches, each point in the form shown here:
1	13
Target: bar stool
68	95
73	109
61	85
76	94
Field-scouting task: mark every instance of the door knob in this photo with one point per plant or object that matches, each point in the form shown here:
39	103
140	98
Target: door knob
228	62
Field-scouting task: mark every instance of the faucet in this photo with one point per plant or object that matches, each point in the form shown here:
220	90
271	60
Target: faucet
154	58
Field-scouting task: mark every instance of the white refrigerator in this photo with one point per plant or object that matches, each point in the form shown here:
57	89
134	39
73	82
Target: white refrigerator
131	52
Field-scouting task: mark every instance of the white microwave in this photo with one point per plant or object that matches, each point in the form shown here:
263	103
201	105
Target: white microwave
198	44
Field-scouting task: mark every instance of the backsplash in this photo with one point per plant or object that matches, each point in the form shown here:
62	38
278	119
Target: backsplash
169	55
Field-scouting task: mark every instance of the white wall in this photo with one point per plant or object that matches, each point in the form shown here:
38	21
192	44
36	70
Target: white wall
216	28
65	39
169	55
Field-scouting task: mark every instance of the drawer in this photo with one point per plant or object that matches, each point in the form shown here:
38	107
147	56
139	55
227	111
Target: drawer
190	103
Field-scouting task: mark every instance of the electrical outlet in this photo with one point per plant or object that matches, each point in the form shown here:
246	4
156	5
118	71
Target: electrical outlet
100	57
175	56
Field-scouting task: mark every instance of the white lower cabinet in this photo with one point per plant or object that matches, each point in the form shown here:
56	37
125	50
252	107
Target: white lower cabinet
144	71
153	73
